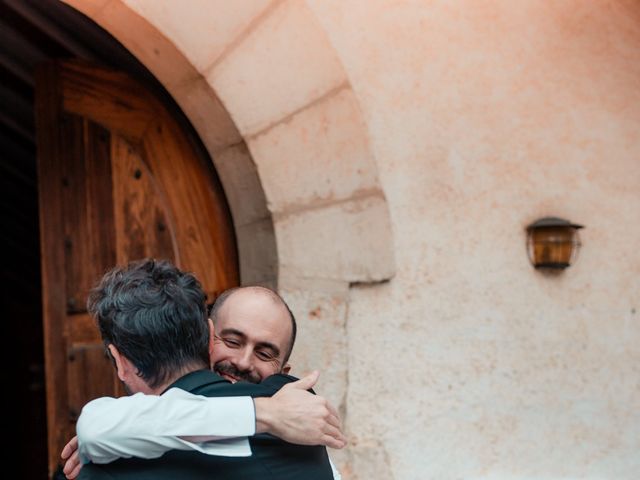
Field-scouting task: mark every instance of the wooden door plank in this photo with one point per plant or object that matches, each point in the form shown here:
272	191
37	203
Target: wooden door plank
82	329
108	98
50	186
119	180
141	218
206	248
90	376
99	211
87	207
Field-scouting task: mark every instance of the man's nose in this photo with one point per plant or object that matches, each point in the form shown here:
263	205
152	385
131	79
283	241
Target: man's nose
243	361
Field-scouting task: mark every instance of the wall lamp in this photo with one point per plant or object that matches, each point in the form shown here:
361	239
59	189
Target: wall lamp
552	243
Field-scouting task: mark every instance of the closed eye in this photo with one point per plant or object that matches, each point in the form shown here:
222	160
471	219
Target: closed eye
265	356
231	342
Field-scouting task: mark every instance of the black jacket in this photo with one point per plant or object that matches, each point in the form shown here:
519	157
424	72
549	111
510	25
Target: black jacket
272	458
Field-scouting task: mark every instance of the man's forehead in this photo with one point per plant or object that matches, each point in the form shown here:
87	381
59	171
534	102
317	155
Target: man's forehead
254	307
250	296
256	291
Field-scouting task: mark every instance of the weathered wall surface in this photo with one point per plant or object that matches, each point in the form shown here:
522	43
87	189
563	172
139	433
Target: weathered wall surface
483	117
410	143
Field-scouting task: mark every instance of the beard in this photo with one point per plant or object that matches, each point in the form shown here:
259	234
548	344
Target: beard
225	368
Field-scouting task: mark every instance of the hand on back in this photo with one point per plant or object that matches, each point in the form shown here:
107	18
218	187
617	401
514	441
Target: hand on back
71	457
298	416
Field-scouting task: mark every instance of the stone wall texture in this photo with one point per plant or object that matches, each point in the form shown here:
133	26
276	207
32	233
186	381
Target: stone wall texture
392	153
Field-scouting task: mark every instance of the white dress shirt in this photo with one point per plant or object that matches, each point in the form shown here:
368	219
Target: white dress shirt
147	426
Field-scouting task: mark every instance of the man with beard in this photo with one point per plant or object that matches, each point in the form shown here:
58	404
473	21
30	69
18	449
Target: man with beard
254	335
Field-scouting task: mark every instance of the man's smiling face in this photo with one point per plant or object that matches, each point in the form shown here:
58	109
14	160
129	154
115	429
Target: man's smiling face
253	332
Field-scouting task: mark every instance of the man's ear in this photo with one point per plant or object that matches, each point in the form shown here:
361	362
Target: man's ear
212	338
123	366
286	369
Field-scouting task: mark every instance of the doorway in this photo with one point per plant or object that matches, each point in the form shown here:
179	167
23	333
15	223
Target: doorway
34	32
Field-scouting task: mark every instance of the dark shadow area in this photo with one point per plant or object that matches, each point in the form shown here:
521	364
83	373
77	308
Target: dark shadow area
33	32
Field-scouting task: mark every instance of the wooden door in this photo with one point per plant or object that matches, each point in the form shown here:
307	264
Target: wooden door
119	179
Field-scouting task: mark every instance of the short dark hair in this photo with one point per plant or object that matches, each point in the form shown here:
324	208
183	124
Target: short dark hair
217	305
155	315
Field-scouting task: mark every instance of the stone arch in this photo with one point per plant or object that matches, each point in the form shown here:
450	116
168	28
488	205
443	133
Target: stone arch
264	89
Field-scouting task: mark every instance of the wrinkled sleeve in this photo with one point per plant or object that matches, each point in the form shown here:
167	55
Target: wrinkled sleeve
147	426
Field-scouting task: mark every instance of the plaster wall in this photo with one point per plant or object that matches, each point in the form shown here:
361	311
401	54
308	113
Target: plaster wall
397	150
484	116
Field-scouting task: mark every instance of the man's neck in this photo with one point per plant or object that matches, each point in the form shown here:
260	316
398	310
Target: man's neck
146	389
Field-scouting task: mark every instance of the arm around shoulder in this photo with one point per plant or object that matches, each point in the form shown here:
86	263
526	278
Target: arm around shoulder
299	416
147	426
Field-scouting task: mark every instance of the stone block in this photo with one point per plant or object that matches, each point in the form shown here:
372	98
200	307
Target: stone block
202	30
257	253
146	42
206	113
349	241
370	458
321	342
89	7
285	63
242	187
321	154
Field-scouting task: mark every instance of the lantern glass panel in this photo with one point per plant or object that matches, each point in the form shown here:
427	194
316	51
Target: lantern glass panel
553	247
